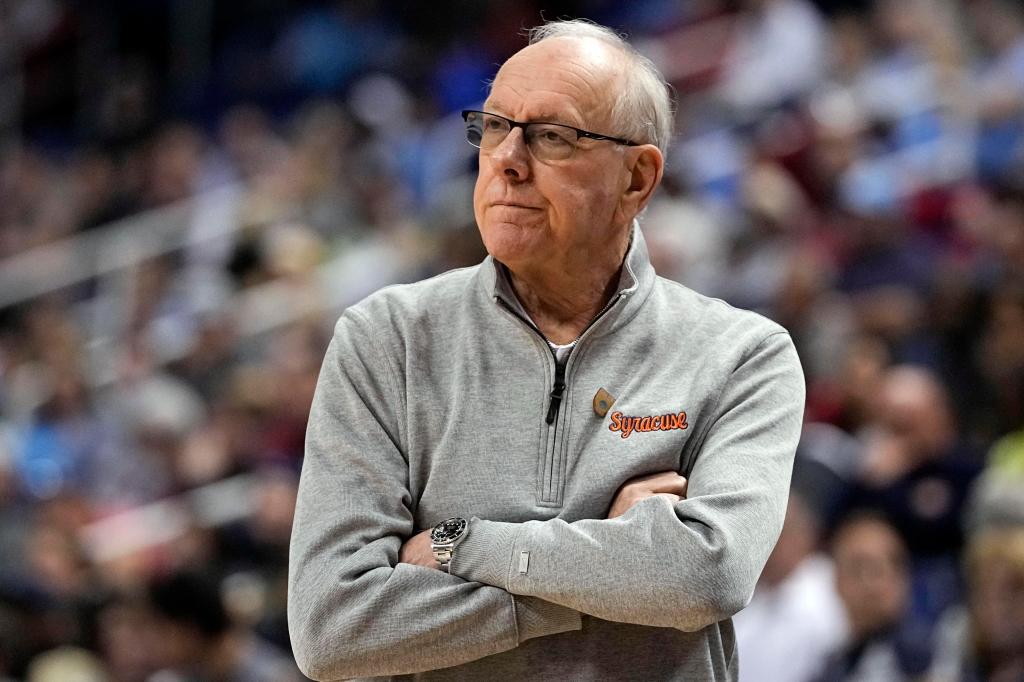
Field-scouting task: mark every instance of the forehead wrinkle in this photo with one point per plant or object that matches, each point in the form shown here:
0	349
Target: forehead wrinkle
541	112
596	71
590	76
545	110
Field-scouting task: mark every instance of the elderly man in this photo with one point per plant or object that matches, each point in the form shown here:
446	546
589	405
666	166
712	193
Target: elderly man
553	465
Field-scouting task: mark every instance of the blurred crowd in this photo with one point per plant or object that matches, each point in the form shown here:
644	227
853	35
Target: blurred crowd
853	170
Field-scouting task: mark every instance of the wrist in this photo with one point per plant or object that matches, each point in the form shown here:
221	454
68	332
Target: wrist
445	537
486	554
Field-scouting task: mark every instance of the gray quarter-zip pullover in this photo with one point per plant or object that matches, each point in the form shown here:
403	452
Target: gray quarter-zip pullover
438	399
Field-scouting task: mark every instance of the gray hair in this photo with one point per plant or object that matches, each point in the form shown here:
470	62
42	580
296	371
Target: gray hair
643	112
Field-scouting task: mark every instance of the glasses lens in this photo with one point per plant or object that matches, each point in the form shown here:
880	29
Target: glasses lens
485	130
550	142
474	127
547	141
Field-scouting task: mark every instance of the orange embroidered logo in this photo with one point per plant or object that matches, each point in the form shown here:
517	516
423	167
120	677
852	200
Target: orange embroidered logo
664	422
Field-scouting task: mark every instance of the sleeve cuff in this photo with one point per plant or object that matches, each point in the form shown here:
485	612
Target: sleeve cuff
485	555
537	618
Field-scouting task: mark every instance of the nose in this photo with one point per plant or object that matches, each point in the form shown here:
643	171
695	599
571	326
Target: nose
512	156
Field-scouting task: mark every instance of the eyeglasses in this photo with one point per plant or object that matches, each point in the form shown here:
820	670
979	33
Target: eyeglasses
546	141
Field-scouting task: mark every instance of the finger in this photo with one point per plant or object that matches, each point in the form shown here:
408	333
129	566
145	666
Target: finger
426	562
618	509
416	550
419	559
655	477
411	554
663	481
669	483
669	496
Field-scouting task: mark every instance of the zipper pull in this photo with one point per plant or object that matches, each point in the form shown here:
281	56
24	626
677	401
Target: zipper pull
556	393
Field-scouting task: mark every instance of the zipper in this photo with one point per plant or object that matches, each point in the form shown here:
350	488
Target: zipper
550	489
557	390
559	386
550	484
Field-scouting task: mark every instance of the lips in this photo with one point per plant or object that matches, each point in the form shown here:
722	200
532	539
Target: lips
512	204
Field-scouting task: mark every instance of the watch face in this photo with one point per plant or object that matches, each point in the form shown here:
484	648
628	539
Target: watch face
448	531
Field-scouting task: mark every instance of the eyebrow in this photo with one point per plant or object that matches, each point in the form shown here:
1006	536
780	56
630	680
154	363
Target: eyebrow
544	117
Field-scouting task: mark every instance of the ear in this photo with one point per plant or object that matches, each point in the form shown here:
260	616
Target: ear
644	168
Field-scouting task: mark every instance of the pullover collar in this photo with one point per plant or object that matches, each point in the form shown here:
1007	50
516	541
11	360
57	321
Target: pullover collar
636	280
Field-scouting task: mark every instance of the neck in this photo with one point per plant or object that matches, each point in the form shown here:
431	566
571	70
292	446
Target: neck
562	300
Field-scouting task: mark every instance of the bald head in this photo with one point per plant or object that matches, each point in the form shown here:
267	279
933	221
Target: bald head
564	220
915	405
589	73
638	97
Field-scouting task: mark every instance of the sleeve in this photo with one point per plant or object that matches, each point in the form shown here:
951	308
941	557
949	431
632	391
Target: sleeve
353	610
684	565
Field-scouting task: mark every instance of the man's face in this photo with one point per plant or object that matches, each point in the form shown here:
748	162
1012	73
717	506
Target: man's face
537	215
872	576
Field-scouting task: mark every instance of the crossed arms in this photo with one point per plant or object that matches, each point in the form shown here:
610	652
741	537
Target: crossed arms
358	608
667	484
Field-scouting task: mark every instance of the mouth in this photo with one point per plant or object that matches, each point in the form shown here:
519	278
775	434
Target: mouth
512	204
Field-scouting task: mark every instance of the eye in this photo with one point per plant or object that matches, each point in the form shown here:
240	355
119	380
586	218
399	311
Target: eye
552	136
492	124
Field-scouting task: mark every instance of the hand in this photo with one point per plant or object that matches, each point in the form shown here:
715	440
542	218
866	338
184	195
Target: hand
665	484
416	550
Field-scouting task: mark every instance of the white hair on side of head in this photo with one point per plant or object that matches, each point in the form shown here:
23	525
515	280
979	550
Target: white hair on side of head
643	113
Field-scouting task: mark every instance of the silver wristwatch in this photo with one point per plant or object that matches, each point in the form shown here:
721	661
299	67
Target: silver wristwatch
444	538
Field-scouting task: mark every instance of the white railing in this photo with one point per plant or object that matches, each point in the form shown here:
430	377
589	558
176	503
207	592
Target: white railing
118	246
150	525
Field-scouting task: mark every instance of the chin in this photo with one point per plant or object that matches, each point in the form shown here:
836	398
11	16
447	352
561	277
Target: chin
511	243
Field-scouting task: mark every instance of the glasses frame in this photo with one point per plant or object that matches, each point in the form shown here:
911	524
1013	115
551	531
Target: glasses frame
523	124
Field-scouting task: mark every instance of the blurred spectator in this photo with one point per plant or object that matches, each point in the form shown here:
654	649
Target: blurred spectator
695	256
794	620
255	551
914	87
195	638
125	638
1007	455
873	581
67	664
851	169
999	87
778	54
1002	364
174	165
985	640
918	471
827	460
846	395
